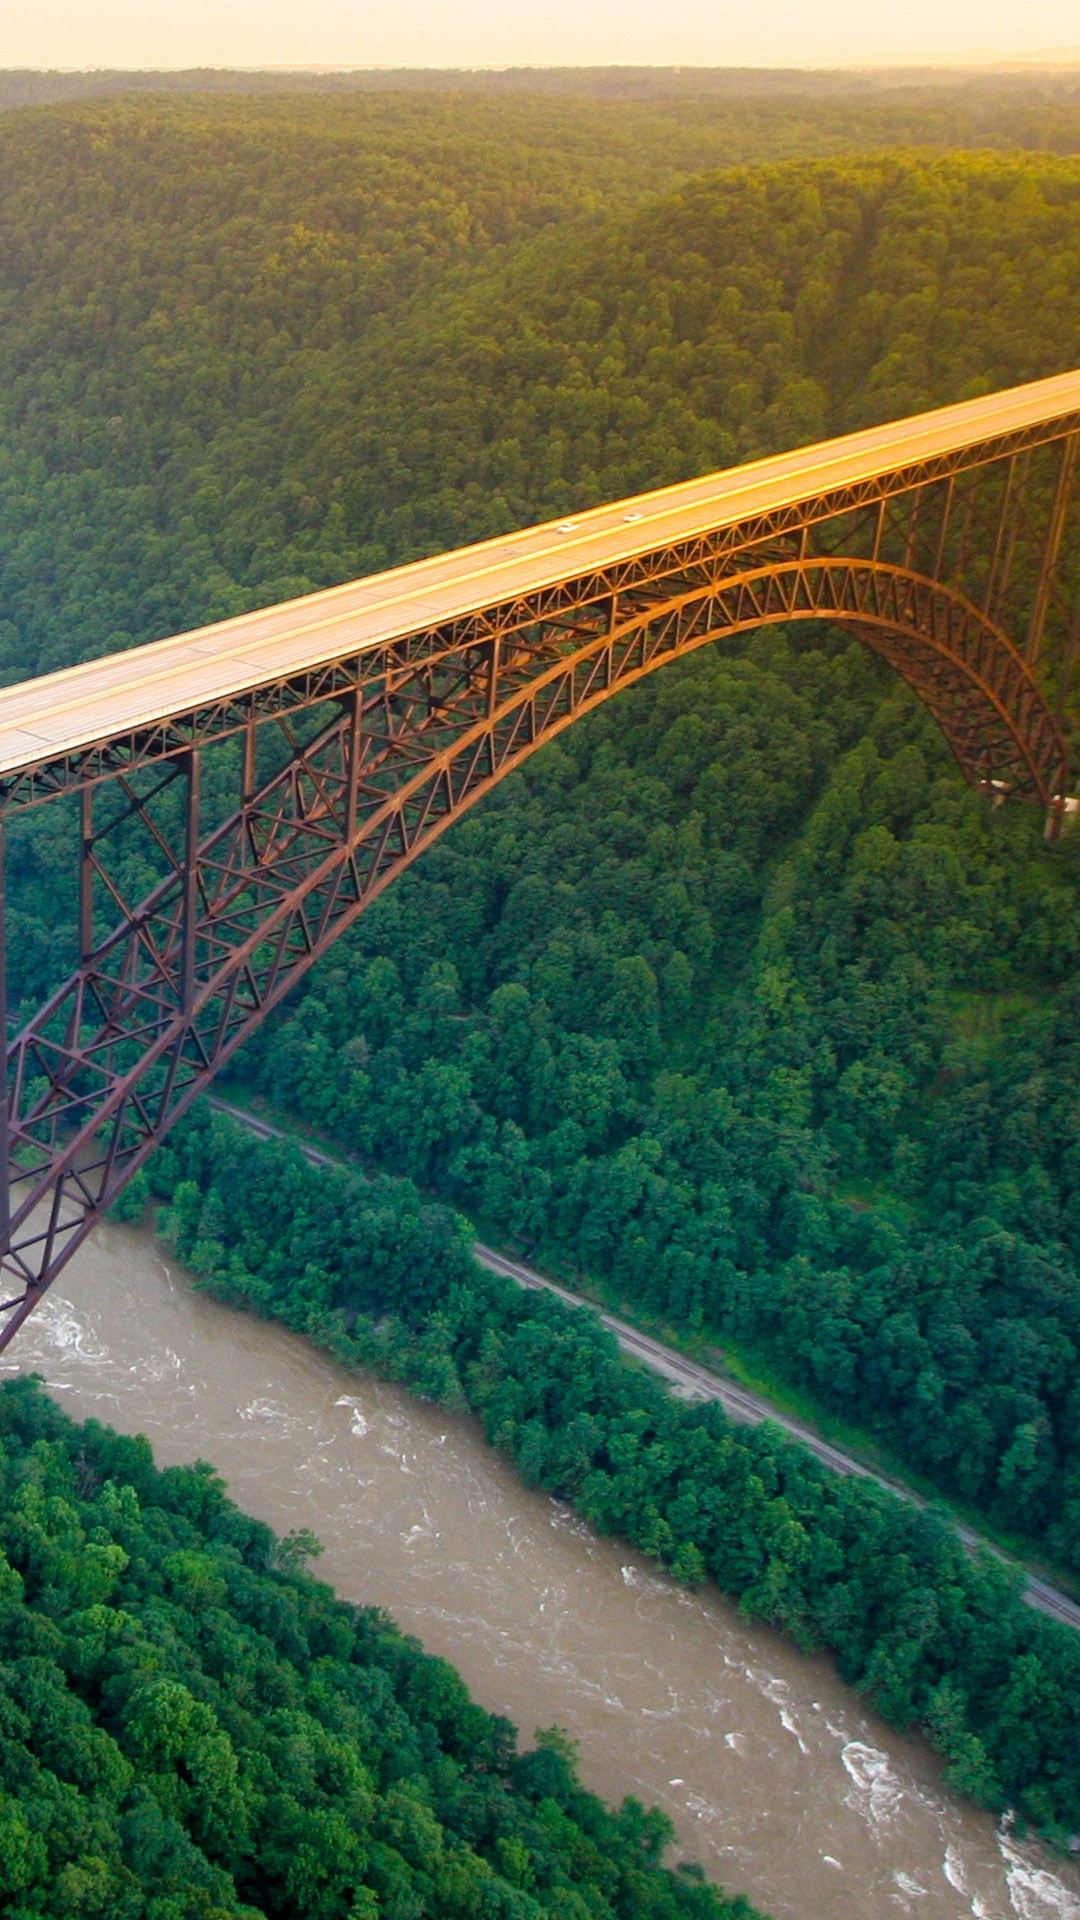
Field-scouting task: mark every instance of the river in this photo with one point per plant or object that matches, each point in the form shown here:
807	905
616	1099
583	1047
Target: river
778	1783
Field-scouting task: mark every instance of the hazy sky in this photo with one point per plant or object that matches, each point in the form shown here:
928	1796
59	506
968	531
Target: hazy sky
180	33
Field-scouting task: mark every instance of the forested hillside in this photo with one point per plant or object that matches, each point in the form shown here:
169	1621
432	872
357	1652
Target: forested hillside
735	999
192	1729
250	350
933	1636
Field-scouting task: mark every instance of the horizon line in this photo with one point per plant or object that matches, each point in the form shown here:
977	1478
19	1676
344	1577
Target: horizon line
976	60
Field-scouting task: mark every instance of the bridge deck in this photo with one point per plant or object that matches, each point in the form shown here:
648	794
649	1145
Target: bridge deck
63	712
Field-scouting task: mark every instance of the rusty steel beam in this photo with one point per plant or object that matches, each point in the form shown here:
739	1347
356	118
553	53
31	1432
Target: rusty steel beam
42	778
372	756
1051	554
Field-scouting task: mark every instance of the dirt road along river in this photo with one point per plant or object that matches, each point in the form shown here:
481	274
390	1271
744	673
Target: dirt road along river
685	1376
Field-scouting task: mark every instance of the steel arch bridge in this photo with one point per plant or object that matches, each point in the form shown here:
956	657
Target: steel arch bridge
350	728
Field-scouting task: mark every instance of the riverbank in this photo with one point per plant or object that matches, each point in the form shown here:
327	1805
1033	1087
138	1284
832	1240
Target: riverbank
388	1283
690	1378
779	1782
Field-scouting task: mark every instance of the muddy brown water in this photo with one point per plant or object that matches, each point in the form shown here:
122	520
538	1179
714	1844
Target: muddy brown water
777	1781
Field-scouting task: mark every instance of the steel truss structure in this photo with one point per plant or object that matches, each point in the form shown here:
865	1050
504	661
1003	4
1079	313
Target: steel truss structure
959	569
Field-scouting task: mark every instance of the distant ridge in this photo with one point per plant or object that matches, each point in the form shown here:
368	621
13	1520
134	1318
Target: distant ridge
29	86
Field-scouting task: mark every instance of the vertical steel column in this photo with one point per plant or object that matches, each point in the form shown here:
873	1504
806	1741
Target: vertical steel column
5	1142
86	877
247	776
354	748
911	541
1052	546
971	493
247	786
1023	462
943	530
190	903
997	580
879	532
1068	665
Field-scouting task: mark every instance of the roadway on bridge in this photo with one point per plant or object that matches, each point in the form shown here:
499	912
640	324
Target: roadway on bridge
689	1380
63	712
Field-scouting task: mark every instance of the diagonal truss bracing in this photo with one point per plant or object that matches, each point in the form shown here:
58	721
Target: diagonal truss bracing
961	570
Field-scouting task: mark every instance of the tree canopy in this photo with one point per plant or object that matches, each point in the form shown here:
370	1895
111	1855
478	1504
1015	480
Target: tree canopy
734	1002
934	1638
191	1729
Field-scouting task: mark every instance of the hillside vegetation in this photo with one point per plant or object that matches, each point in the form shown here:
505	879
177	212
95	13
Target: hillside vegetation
735	1000
192	1729
932	1636
247	350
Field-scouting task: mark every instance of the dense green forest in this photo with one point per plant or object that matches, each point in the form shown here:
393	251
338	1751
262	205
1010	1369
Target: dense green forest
386	1280
735	1000
823	1100
193	1729
996	96
246	351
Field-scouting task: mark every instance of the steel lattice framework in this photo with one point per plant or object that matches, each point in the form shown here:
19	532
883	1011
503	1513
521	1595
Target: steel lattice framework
951	550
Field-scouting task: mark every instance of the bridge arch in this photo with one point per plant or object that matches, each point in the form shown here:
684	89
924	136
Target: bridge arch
132	1039
965	670
934	541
